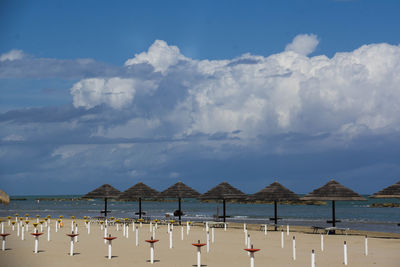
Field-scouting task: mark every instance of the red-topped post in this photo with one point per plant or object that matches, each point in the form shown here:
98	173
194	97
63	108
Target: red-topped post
152	241
198	245
36	234
72	235
109	238
3	242
252	251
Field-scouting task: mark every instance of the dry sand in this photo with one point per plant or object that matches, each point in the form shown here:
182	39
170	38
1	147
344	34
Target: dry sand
226	251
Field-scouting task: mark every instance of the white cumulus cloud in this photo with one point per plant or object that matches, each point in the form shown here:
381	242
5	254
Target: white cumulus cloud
303	44
12	55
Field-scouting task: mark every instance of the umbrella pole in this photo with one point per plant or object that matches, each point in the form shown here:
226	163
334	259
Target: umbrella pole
140	208
223	201
276	214
180	210
333	214
105	207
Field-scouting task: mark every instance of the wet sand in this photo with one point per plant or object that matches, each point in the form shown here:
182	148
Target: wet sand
228	249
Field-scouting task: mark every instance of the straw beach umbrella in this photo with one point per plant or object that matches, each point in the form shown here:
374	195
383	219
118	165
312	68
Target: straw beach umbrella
138	192
179	190
392	191
225	192
333	191
105	191
275	192
4	198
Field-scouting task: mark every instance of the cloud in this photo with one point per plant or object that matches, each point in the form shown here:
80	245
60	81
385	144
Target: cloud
160	55
12	55
303	44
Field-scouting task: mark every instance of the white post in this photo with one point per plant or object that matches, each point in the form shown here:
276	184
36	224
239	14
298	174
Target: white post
245	237
141	224
244	227
294	248
3	244
76	231
212	235
152	253
345	252
181	232
56	226
224	226
127	231
18	229
105	234
156	226
170	239
251	259
117	227
22	232
208	241
150	227
123	229
312	258
137	236
48	232
198	257
72	225
265	229
71	250
41	227
88	229
248	243
13	228
154	233
187	228
287	229
322	242
169	227
366	245
109	249
282	242
36	243
2	227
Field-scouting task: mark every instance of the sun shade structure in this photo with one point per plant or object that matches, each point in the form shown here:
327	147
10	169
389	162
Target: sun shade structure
179	190
105	191
392	191
225	192
138	192
333	191
275	192
4	198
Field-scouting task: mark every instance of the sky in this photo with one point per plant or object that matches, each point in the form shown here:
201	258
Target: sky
247	92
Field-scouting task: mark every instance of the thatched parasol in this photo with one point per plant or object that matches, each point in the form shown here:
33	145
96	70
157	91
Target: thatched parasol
392	191
105	191
333	191
224	191
4	198
275	192
179	190
137	192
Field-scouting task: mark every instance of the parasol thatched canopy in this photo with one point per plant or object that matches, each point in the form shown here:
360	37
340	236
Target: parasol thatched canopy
224	191
4	198
137	192
392	191
105	191
179	190
275	192
333	191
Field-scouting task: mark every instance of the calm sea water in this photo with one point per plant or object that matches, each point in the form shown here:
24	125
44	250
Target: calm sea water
353	214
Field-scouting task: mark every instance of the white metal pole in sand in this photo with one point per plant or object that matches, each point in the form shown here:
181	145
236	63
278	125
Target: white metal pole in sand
3	242
207	228
48	232
322	242
224	226
244	227
56	227
212	235
198	245
170	239
187	228
265	229
22	233
208	241
294	248
182	232
2	227
150	227
287	229
251	251
123	229
13	228
312	258
72	225
76	231
18	229
36	243
88	229
71	247
152	253
109	239
345	252
105	234
245	237
248	243
127	231
117	227
169	227
282	240
137	236
366	245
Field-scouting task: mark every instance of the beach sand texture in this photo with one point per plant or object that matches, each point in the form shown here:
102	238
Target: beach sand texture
228	249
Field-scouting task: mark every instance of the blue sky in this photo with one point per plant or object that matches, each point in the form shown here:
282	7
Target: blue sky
247	92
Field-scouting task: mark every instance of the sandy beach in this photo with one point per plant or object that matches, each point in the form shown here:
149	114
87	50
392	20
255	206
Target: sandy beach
228	249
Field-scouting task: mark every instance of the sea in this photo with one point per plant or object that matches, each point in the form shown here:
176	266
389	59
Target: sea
358	215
